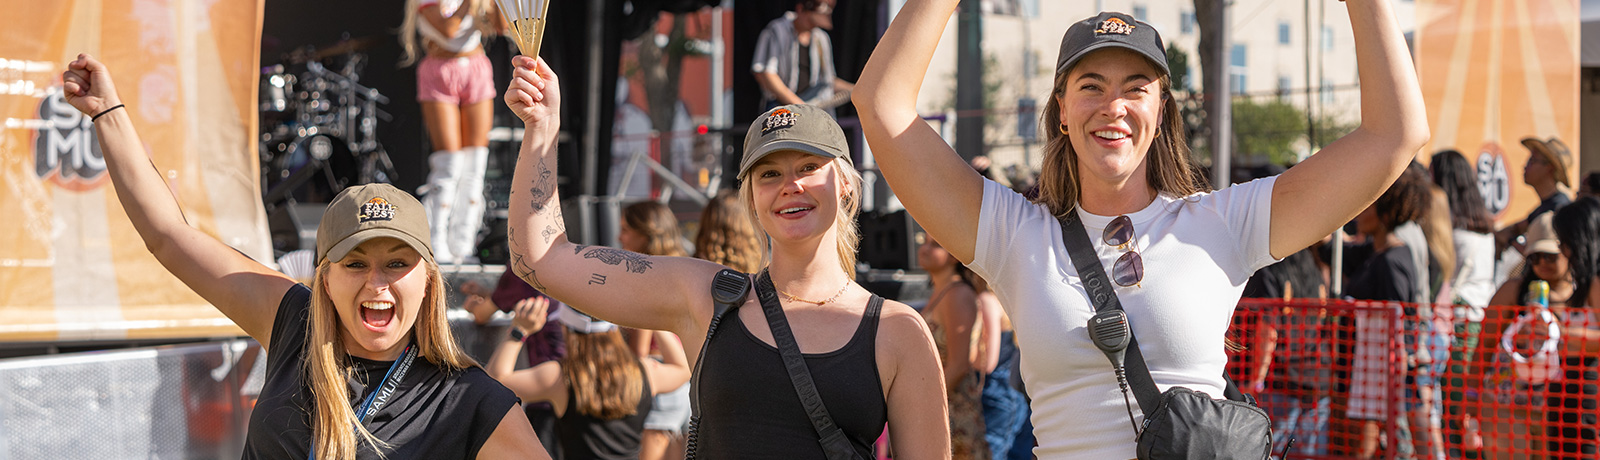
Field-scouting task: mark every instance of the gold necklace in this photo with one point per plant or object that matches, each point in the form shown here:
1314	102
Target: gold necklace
836	295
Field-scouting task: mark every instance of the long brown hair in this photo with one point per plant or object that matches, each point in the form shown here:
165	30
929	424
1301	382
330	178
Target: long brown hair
727	236
655	222
603	373
328	364
849	205
1168	169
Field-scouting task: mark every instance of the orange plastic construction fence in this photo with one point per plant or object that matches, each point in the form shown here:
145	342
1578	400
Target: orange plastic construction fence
1392	380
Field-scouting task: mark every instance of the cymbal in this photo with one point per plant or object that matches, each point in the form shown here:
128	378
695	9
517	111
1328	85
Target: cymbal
347	46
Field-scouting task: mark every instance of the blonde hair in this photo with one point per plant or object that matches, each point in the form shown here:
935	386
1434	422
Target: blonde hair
1168	169
655	222
328	366
727	236
1437	230
408	27
604	375
849	237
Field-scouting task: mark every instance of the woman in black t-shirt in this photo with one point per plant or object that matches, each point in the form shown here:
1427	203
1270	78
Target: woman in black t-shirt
351	339
601	390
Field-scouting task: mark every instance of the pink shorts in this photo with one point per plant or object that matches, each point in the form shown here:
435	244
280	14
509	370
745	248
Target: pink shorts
458	81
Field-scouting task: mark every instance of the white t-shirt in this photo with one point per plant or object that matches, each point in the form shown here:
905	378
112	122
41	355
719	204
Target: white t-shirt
1198	252
1474	280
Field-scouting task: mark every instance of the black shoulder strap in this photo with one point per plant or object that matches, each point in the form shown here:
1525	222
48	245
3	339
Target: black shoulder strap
1104	297
728	290
834	442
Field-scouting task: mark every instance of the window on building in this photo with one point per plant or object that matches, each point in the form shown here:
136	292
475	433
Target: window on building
1284	85
1327	38
1283	33
1238	67
1326	92
1187	22
1141	13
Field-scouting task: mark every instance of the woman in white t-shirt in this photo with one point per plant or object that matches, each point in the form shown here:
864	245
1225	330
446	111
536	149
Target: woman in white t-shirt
1115	155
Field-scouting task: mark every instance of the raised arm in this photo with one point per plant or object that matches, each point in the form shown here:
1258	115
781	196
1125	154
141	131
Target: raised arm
939	189
538	383
627	288
244	290
673	370
1331	187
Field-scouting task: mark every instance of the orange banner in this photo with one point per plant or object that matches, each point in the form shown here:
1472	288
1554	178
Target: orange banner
1494	72
71	265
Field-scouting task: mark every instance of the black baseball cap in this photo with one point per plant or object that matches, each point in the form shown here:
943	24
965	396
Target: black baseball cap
1111	30
796	127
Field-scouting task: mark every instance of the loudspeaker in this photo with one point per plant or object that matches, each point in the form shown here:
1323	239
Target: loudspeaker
888	240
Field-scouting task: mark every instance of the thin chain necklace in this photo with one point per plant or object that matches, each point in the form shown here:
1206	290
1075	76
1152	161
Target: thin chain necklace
836	295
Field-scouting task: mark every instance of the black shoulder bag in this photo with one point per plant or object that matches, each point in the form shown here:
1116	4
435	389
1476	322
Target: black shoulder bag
1180	423
728	291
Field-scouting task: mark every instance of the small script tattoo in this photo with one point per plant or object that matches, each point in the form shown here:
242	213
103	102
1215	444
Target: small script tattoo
597	278
636	263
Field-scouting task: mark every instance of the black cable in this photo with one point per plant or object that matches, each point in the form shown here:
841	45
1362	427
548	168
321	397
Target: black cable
1122	381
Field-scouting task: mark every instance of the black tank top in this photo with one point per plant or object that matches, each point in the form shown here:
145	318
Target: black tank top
584	437
749	408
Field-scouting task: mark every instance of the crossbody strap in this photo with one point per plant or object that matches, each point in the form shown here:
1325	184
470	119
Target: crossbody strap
729	288
834	442
1104	297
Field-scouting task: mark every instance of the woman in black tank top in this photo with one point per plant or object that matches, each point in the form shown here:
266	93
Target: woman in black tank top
873	365
601	391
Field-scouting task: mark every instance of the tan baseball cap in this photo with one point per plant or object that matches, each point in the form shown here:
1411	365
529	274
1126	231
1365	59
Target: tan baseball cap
364	212
797	127
1541	236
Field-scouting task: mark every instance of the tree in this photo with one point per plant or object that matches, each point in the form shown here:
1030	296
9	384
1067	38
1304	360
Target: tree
1267	130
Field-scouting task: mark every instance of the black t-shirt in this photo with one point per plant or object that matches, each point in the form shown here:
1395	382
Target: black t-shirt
1387	275
1554	203
437	414
586	437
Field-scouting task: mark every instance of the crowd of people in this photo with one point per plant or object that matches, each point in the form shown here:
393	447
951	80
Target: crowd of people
1478	365
764	345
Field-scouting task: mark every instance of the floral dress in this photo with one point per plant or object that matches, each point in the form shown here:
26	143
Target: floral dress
965	398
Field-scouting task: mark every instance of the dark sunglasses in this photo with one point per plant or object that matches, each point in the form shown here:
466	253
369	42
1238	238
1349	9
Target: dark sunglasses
1541	257
1129	269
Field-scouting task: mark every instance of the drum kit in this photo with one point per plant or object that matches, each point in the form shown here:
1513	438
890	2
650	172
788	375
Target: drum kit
318	122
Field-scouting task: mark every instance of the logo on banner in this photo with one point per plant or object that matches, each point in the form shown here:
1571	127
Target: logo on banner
376	209
65	151
1493	180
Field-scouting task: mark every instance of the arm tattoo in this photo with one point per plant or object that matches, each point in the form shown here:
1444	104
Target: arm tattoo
596	278
579	248
550	231
533	279
542	188
636	263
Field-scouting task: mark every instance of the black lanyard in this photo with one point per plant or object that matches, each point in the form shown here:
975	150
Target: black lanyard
385	392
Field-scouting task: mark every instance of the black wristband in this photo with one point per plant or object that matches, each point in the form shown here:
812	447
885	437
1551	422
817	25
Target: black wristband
102	113
516	335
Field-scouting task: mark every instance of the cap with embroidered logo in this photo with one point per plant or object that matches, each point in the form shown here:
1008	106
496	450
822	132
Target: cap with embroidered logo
797	127
363	212
1111	30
